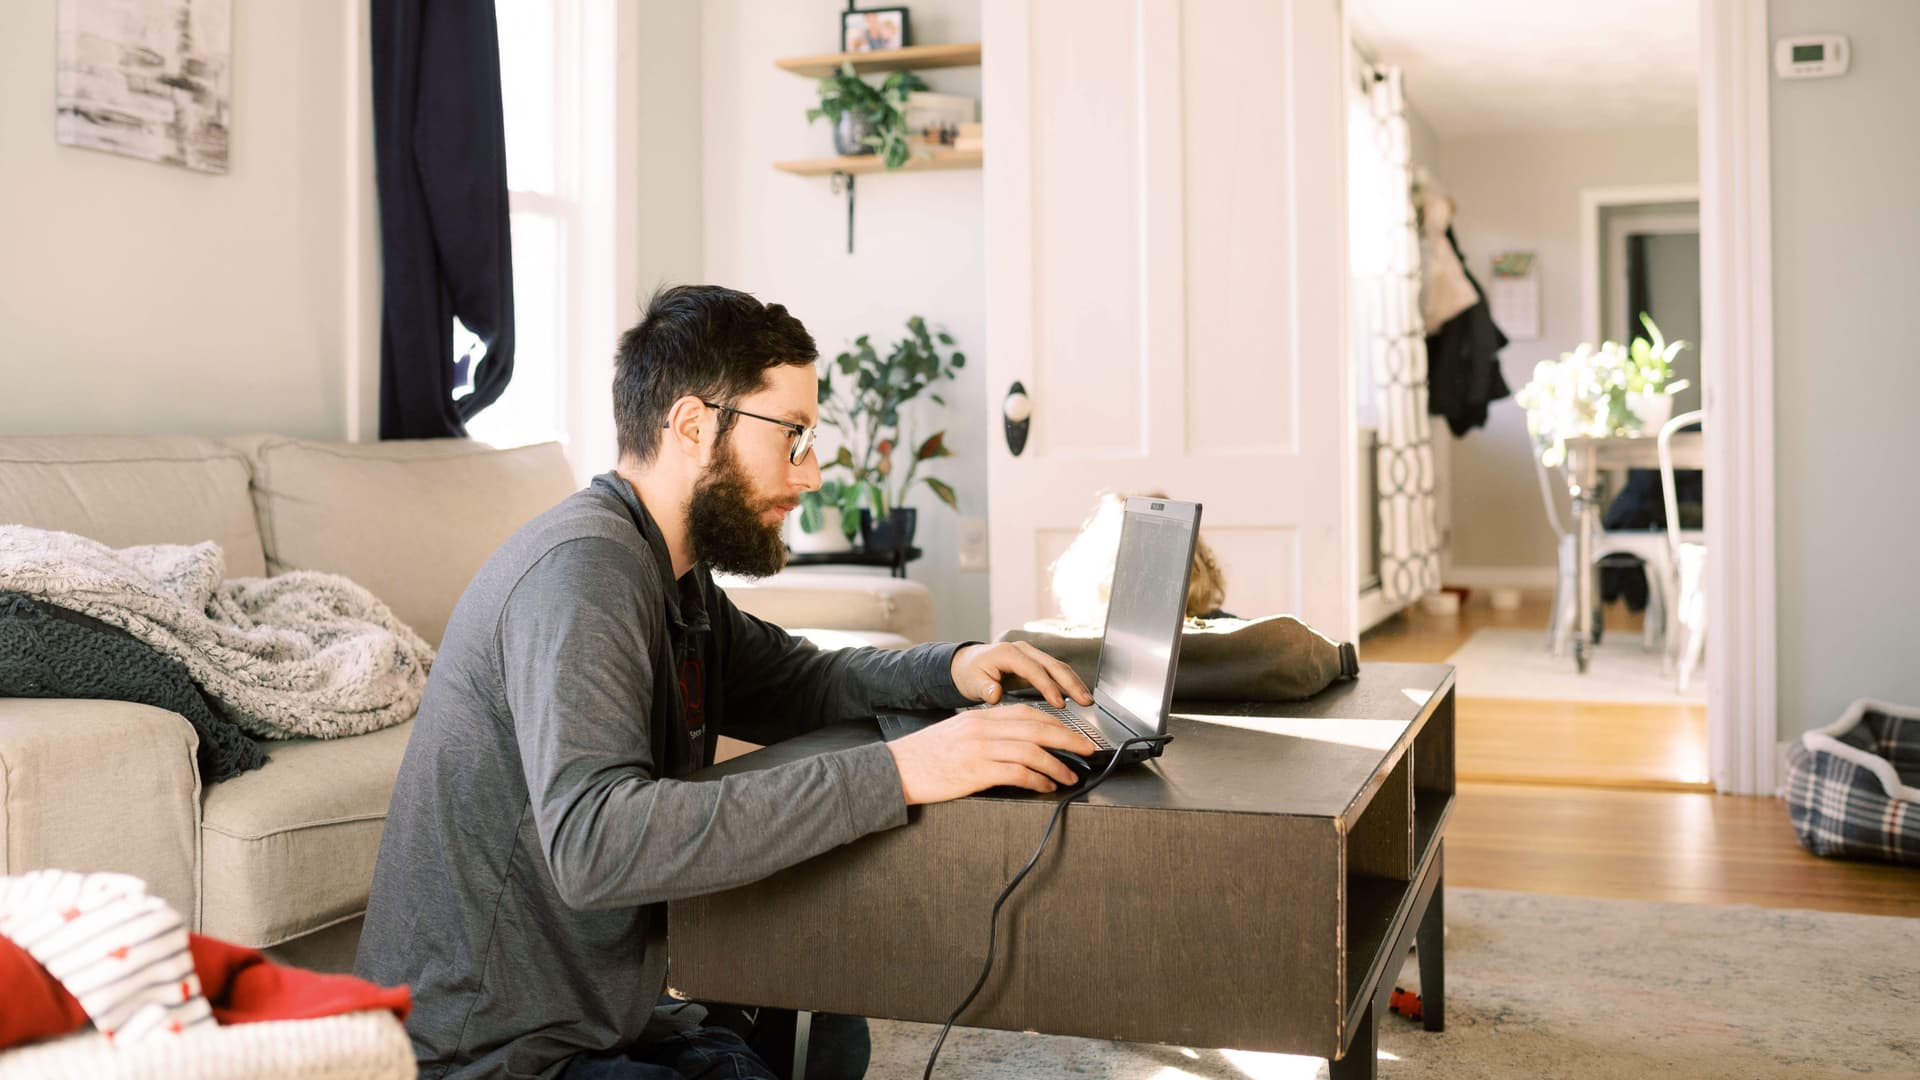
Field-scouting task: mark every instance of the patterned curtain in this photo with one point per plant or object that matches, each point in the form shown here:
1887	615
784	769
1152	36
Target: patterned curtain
1386	297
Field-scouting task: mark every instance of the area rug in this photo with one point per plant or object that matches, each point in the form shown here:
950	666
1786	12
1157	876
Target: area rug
1550	986
1513	662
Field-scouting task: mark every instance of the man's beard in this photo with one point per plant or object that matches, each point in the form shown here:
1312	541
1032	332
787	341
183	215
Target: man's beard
725	525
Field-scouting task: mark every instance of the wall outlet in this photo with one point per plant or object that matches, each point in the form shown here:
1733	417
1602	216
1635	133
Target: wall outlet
973	543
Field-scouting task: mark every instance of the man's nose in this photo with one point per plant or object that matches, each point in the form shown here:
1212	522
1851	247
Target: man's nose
809	470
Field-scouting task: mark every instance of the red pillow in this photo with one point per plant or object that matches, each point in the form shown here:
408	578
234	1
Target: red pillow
33	1004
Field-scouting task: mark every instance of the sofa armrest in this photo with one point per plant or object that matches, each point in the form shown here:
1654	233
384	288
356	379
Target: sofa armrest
101	785
812	600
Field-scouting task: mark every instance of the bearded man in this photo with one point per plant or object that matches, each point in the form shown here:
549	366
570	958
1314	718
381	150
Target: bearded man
541	819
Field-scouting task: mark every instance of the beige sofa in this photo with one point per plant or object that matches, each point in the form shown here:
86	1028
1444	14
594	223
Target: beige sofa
282	857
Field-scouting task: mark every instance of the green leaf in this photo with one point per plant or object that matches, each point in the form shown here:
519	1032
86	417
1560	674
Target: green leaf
810	516
959	360
847	363
944	492
937	399
844	457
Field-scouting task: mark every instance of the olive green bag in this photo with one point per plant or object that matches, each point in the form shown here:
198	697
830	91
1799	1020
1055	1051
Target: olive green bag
1275	658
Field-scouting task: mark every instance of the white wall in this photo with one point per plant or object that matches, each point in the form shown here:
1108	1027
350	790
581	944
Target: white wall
918	243
1846	220
137	297
1522	192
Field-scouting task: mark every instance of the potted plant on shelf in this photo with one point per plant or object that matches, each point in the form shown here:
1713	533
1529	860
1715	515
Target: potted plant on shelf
1597	392
868	119
863	397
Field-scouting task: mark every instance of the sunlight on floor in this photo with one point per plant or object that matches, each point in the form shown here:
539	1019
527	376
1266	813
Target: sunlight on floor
1372	734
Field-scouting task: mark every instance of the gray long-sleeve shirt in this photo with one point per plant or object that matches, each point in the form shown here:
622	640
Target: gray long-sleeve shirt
537	825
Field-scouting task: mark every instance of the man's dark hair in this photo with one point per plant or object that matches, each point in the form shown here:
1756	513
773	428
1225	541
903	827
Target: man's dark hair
705	340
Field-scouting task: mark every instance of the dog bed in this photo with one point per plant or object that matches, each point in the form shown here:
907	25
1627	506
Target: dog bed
1853	787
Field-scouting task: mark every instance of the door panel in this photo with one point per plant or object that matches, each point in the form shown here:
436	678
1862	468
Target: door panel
1165	269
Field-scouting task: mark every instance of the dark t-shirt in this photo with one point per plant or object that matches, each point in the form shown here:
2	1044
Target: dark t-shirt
537	825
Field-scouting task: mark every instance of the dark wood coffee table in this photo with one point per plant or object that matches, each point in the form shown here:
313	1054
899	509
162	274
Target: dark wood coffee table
1255	888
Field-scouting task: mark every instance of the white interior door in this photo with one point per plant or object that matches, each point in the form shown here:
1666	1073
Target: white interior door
1166	259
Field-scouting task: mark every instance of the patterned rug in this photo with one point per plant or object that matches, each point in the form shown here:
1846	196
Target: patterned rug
1551	986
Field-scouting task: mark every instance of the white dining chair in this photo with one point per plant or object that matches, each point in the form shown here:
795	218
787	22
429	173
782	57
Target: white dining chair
1687	618
1649	547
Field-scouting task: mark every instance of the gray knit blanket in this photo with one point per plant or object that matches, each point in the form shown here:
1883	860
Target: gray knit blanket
302	654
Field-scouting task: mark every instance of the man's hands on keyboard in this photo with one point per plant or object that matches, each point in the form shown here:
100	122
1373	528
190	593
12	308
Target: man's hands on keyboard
1005	746
980	672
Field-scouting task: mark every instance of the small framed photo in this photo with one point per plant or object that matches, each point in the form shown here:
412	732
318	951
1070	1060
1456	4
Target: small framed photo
873	29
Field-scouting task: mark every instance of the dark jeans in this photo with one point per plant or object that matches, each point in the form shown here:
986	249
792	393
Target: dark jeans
738	1044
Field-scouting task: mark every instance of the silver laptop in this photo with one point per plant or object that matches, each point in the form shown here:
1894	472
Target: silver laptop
1140	647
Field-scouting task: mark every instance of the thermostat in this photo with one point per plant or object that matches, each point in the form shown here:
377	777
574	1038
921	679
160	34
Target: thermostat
1811	56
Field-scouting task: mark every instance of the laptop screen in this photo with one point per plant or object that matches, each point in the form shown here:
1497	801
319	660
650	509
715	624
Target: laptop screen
1146	606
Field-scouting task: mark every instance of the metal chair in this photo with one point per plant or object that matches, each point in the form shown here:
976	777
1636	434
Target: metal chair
1688	548
1650	548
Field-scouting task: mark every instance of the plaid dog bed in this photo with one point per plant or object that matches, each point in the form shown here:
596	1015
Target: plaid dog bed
1853	788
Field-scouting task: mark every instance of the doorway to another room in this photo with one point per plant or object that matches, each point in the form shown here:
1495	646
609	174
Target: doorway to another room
1568	196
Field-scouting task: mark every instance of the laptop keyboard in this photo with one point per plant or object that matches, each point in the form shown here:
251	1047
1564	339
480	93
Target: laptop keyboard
1076	722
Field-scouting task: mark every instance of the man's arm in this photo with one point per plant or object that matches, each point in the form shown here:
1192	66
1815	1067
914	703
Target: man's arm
577	667
779	685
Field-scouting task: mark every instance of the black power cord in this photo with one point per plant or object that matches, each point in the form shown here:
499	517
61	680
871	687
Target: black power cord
993	919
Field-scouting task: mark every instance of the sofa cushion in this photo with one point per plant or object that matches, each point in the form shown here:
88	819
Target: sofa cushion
410	520
133	489
99	785
289	848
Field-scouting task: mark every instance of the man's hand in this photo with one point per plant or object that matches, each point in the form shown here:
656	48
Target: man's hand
979	669
1003	746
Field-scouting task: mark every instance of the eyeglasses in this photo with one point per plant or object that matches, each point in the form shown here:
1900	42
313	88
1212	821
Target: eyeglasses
802	436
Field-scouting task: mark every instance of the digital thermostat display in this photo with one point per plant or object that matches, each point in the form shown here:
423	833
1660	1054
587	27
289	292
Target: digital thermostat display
1811	56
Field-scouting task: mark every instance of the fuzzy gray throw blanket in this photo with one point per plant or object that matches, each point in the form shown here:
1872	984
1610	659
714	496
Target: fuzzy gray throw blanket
49	652
303	654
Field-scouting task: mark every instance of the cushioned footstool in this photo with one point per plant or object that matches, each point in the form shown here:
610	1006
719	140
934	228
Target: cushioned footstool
1853	787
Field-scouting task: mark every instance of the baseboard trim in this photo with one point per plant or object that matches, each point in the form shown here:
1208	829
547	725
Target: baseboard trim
1503	577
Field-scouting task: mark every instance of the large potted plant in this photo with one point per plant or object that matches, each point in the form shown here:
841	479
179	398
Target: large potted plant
868	119
863	398
1613	389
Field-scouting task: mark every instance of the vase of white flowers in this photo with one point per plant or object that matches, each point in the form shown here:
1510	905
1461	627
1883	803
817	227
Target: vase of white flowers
1610	390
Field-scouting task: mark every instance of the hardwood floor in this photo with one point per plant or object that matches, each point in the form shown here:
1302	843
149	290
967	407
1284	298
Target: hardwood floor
1588	799
1685	847
1552	742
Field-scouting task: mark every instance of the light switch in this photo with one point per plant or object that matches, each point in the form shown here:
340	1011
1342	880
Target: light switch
973	543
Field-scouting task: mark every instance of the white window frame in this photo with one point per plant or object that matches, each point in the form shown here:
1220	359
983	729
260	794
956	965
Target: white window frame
567	206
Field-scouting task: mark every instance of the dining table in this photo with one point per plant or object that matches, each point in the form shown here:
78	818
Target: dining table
1595	466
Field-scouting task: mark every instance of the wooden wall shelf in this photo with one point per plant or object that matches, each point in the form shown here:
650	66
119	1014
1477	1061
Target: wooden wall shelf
870	163
915	57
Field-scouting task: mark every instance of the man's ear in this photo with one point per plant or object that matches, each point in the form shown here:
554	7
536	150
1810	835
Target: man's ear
691	425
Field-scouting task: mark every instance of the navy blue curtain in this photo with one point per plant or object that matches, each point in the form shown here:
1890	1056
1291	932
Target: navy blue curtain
441	155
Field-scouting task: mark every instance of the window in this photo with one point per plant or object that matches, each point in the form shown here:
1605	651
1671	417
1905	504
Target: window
540	90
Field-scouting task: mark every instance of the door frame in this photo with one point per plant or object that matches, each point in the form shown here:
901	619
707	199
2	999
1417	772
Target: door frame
1599	244
1736	316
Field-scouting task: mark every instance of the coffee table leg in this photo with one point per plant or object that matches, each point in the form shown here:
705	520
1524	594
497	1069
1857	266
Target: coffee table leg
1432	945
802	1036
1362	1053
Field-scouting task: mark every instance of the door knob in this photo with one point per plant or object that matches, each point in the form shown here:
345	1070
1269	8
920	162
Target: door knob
1017	413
